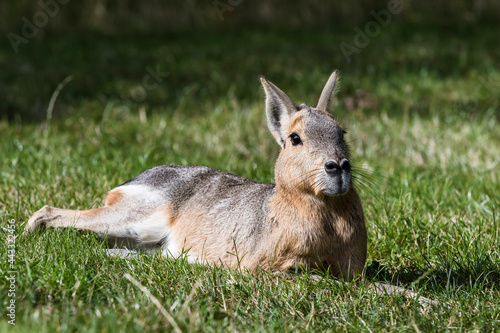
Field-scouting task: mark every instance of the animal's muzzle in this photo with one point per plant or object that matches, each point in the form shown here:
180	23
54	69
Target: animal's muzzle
333	168
338	177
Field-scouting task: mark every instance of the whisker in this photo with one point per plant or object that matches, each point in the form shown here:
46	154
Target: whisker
359	185
316	185
368	182
307	176
300	180
366	175
374	190
365	171
366	179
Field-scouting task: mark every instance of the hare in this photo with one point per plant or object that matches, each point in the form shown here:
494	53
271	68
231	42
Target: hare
311	218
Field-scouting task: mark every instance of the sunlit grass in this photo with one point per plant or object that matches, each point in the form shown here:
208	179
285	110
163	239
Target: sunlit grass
430	198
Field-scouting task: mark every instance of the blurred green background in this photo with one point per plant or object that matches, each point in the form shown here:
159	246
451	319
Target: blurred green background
208	49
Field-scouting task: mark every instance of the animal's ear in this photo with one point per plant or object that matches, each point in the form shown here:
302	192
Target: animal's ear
279	108
325	101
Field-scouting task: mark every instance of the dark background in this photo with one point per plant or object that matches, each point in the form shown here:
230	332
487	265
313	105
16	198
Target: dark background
212	48
119	16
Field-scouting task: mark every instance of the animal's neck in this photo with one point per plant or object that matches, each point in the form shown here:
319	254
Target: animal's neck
295	205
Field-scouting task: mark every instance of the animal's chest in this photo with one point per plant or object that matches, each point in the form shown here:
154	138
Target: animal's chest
320	239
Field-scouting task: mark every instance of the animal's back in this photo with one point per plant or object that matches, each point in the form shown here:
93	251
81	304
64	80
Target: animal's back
212	214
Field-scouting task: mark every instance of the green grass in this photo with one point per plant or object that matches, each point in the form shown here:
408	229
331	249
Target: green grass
418	113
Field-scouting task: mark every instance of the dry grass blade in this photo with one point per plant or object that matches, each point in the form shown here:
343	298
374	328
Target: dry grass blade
155	301
53	98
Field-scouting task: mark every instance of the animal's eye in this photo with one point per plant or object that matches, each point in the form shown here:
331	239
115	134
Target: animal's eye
295	139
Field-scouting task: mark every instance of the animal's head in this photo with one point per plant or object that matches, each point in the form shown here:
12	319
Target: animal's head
314	156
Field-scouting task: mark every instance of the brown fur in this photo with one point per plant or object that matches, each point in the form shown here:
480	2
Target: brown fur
90	212
324	240
113	197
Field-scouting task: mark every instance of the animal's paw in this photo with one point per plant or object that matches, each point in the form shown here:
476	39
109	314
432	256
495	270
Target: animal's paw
39	219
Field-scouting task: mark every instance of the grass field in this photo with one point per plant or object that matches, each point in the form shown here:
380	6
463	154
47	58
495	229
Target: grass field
422	114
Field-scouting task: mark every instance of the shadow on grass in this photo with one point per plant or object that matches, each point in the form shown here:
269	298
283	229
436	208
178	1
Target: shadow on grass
165	72
448	273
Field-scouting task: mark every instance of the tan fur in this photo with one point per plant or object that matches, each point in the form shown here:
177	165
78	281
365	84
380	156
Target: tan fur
193	232
314	246
113	197
189	235
296	123
90	212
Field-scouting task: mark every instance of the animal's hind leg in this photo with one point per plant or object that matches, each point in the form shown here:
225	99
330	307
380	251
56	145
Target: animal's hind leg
125	221
52	217
100	221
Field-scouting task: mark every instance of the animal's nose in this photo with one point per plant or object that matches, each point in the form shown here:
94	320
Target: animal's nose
333	168
345	165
